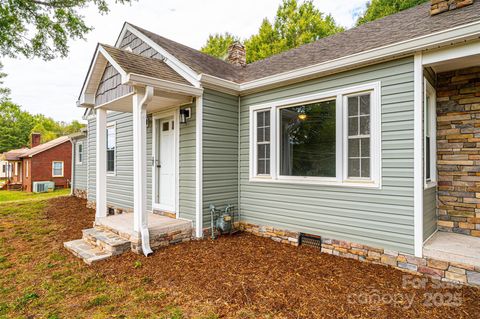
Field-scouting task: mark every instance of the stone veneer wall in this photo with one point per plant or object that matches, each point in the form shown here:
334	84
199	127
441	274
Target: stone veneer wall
439	6
80	193
458	141
435	269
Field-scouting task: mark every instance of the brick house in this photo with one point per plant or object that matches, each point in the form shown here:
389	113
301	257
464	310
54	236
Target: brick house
51	161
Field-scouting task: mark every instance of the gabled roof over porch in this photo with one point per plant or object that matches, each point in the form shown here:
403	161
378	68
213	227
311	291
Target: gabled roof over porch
115	74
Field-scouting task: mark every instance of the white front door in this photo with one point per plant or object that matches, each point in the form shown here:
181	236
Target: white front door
165	164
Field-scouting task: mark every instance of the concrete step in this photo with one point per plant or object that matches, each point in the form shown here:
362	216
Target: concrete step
88	252
106	240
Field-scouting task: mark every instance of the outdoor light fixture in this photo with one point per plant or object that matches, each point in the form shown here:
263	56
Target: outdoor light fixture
302	116
149	120
185	114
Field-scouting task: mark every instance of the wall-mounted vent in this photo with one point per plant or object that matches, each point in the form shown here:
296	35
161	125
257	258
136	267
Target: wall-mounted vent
310	240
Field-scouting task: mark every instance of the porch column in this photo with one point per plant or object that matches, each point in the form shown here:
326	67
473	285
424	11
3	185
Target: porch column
140	223
418	178
101	164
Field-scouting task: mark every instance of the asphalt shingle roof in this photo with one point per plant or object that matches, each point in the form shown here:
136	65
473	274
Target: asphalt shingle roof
138	64
405	25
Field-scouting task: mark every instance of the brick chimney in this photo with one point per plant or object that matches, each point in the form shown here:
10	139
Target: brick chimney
439	6
237	54
36	138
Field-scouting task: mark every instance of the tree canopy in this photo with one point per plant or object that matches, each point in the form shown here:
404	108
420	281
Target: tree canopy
295	24
377	9
17	125
217	44
42	28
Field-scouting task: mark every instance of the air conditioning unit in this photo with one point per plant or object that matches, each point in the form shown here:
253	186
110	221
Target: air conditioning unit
43	187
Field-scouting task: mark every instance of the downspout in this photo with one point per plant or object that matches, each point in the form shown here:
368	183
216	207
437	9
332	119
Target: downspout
144	233
72	182
238	157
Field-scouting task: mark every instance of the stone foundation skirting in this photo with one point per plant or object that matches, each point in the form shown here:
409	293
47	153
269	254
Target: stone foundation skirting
163	240
112	210
435	269
278	235
80	193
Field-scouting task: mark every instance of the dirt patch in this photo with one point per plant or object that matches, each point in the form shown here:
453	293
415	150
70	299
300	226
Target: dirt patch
242	276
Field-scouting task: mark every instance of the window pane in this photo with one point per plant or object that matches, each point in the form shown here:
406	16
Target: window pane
365	125
365	104
365	171
365	147
260	134
353	106
352	126
307	140
354	167
354	147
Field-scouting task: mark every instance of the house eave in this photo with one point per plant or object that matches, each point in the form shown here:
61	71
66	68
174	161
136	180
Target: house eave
409	47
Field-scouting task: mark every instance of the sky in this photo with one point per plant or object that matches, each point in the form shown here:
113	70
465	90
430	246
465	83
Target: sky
52	88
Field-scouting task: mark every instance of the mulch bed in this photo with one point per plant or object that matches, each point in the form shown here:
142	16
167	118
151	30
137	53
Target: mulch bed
245	276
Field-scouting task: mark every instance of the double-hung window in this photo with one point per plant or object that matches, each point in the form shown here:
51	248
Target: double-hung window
57	169
111	148
80	153
325	138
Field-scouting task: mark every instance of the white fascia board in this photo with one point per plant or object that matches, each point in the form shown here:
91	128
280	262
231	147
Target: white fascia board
113	62
450	53
137	79
179	67
409	46
434	40
85	99
223	85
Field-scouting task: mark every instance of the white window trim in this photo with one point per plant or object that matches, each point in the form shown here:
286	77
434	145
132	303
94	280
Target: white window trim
114	172
428	89
53	169
78	153
341	142
26	168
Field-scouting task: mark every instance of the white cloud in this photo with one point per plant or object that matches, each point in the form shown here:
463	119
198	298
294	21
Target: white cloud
52	87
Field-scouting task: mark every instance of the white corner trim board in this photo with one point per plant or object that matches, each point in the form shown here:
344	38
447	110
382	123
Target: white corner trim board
418	181
199	167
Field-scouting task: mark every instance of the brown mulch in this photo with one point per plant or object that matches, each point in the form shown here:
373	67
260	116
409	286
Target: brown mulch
244	276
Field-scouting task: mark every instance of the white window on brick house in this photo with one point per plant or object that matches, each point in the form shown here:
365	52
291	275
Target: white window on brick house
324	138
429	134
26	168
57	169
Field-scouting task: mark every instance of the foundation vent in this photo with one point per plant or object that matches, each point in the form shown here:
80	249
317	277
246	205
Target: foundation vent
310	240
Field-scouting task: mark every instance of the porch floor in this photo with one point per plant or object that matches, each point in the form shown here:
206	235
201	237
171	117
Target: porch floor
454	248
157	224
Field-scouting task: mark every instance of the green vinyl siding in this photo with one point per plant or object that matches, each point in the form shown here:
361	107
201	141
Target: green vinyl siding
187	166
120	185
220	151
377	217
429	212
80	169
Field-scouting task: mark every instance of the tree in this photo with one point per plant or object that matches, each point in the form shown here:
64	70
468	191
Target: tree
217	44
294	24
377	9
4	92
15	126
42	28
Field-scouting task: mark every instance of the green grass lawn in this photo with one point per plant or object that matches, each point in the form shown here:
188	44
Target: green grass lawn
15	196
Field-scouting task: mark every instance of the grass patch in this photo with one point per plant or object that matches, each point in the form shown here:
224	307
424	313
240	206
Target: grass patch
98	301
16	196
